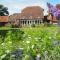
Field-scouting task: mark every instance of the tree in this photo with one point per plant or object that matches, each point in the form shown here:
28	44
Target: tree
58	6
3	11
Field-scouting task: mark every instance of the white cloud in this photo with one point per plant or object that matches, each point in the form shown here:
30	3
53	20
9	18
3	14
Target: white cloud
15	6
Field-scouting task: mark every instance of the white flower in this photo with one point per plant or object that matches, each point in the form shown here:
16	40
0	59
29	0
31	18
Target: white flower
3	56
29	37
10	42
45	53
3	44
21	48
38	55
55	42
55	33
32	46
23	41
24	35
27	41
12	55
49	37
7	51
36	38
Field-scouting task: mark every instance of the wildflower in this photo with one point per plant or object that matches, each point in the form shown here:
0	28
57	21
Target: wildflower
12	55
29	37
32	46
3	56
38	57
3	44
21	48
45	55
7	51
50	37
55	33
10	42
36	38
27	41
55	42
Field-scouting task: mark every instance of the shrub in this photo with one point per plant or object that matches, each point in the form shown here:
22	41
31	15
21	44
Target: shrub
33	25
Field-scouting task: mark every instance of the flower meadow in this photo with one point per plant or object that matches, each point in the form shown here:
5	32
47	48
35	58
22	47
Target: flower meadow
41	43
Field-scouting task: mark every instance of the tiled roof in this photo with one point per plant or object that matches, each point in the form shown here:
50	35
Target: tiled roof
32	12
3	18
28	13
14	17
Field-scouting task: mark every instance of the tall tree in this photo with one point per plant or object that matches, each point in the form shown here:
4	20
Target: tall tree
3	11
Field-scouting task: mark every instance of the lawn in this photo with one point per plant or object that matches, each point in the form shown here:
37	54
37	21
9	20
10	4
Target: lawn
30	43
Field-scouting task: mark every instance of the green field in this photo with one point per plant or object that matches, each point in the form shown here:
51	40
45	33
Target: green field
27	43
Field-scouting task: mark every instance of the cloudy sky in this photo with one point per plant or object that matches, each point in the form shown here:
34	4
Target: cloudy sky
15	6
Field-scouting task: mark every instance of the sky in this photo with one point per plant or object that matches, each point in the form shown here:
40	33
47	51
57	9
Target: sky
16	6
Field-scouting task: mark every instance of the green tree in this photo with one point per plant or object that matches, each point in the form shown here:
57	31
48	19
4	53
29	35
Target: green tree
3	11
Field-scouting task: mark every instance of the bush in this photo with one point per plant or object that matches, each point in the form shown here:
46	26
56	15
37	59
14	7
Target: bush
33	25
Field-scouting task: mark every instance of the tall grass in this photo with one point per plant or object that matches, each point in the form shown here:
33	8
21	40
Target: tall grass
30	43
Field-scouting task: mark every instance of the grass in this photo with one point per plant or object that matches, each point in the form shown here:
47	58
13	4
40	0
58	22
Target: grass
42	40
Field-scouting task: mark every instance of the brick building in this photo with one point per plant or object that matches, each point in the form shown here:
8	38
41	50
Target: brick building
28	16
3	20
52	18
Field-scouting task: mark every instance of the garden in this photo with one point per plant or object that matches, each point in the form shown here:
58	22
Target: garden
31	43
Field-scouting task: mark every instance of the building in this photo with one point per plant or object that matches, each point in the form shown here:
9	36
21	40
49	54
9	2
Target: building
13	19
28	16
31	15
58	6
3	20
51	17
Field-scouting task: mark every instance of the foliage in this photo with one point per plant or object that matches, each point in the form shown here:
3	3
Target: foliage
31	43
33	25
3	10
